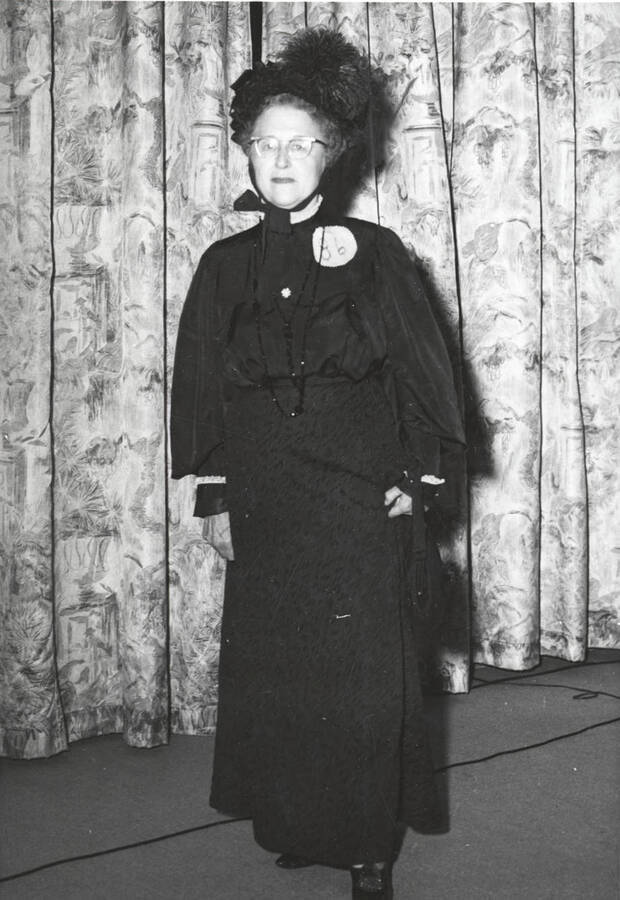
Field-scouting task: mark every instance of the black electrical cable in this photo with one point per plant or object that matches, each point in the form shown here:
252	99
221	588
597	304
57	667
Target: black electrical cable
559	737
582	693
534	674
173	834
97	853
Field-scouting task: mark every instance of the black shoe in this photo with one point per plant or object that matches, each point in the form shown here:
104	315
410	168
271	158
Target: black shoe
372	881
290	861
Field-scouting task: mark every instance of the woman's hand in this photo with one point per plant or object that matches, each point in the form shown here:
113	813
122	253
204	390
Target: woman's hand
216	532
400	503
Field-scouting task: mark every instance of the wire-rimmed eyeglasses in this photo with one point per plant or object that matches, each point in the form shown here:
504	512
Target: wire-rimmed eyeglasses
268	147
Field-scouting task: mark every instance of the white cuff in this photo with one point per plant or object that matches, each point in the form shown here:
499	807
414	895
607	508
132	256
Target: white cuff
432	479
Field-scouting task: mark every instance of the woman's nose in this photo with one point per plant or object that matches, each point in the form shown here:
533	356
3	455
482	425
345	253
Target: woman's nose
282	159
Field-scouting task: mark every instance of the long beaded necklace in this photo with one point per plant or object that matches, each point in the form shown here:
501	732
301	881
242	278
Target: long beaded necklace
297	373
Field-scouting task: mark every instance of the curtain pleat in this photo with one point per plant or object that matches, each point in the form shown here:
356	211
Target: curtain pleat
563	539
499	172
31	715
597	221
495	175
108	371
88	357
207	46
141	481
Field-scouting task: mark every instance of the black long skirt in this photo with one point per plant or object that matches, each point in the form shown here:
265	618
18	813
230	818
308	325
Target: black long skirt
320	736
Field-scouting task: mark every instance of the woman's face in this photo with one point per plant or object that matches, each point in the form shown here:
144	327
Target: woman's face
282	181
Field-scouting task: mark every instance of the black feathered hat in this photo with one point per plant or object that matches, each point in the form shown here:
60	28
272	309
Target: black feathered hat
318	66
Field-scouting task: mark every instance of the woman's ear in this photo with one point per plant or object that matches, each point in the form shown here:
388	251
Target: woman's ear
336	152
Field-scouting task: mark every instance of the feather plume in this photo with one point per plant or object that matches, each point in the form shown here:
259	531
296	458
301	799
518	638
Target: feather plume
334	72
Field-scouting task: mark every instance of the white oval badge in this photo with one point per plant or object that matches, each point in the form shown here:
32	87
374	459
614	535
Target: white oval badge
333	245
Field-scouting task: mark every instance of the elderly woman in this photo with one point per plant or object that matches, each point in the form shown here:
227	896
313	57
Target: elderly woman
310	372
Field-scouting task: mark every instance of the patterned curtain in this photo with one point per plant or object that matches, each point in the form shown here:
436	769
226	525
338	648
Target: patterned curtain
500	172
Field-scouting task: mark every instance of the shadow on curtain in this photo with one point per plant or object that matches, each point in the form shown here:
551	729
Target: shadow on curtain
501	171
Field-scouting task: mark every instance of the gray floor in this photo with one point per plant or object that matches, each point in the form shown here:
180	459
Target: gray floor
529	771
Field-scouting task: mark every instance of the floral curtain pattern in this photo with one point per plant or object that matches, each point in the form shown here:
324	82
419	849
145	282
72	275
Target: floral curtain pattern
500	173
109	450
